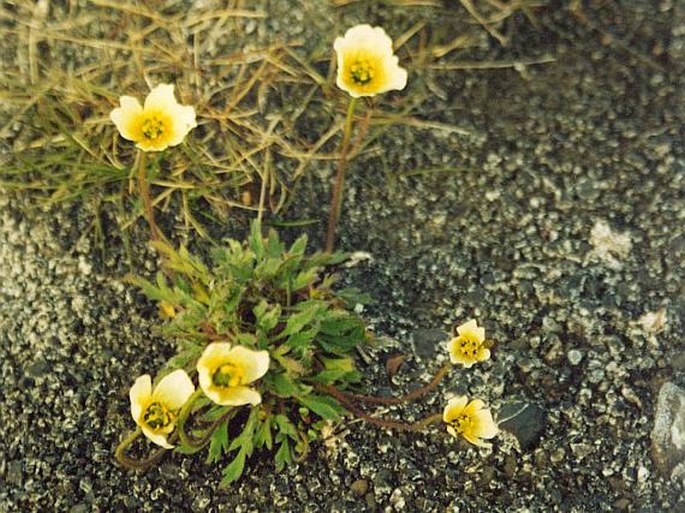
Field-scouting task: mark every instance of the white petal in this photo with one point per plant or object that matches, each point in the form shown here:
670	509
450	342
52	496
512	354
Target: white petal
161	98
139	395
475	440
174	389
233	396
471	330
253	363
474	406
454	408
365	36
398	78
125	117
183	121
467	327
486	426
157	438
214	355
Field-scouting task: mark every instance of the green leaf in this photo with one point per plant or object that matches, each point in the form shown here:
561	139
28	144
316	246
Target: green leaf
305	278
353	296
325	407
246	339
297	321
148	288
183	358
218	444
256	240
274	247
299	246
234	470
330	376
340	332
267	269
342	364
285	427
263	435
244	440
269	318
281	385
300	341
283	456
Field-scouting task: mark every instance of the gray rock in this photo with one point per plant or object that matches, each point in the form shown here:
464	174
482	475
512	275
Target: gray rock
574	356
526	421
668	435
15	473
427	341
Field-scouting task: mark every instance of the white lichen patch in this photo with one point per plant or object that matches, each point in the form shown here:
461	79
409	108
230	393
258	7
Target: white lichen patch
653	322
608	246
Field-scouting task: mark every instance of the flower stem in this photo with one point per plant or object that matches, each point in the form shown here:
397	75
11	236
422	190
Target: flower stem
389	401
198	443
144	191
134	463
336	199
419	425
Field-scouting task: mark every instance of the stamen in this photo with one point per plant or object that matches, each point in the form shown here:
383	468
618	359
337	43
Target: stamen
153	128
461	423
157	416
361	72
228	375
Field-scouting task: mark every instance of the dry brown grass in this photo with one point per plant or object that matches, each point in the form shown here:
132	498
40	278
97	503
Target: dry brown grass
67	62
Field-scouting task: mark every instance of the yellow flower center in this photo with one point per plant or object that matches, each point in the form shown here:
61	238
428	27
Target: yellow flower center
157	416
362	71
153	128
462	423
228	375
468	347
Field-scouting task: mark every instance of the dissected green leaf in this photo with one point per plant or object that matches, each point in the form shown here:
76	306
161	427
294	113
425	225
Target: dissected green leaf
263	437
304	278
234	470
297	321
281	385
283	456
218	445
325	407
300	341
261	295
285	427
267	316
274	247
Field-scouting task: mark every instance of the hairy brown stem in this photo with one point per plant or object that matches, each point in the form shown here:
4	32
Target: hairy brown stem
336	199
390	401
199	443
419	425
135	463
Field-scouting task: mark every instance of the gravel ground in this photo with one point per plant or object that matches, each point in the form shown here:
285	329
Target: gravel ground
560	228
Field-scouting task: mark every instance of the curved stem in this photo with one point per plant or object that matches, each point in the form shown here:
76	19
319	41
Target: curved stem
419	425
135	463
305	447
198	443
390	401
336	199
